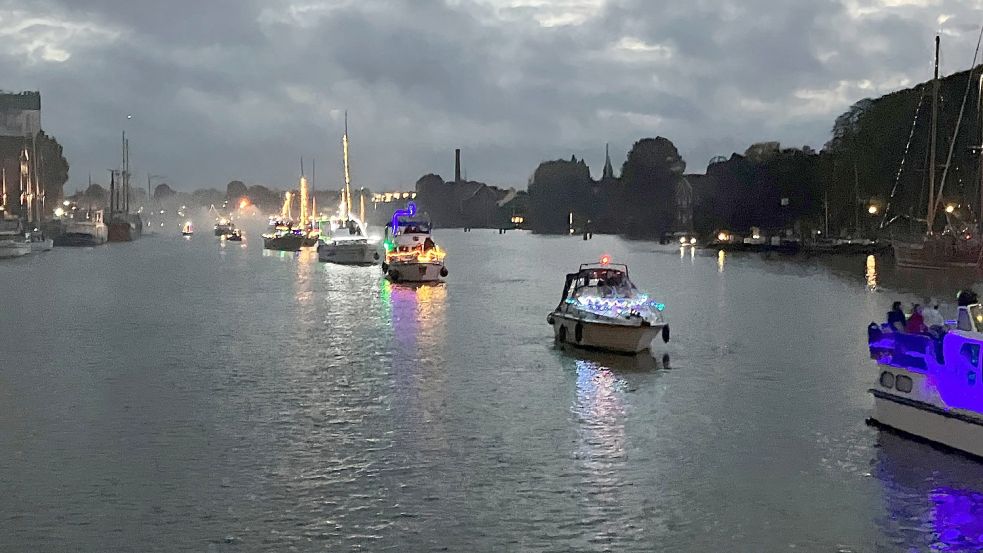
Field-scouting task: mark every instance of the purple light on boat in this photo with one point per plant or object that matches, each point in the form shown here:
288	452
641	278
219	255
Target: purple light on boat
410	211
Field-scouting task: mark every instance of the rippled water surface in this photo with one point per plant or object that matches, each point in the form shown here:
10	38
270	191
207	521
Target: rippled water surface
175	394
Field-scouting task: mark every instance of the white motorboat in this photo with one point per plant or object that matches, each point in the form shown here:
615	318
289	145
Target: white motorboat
12	240
602	309
929	387
349	246
39	243
90	231
411	253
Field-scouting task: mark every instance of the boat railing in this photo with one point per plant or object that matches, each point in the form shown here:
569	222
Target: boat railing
903	350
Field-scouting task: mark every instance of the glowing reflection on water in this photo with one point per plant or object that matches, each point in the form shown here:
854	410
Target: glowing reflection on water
721	260
600	410
871	273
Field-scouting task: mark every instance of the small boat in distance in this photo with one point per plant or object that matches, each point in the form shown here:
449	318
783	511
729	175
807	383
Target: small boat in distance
234	236
90	231
188	229
224	227
602	309
927	386
411	253
12	240
283	237
39	243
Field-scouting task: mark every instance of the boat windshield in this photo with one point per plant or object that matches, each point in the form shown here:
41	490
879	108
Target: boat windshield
414	227
603	283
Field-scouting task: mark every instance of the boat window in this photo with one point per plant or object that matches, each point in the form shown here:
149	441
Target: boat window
976	311
887	380
971	354
903	384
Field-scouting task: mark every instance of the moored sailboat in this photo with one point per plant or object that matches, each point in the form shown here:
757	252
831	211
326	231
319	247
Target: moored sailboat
349	243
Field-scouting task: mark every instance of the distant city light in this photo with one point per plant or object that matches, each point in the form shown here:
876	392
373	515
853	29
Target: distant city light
950	208
872	210
59	212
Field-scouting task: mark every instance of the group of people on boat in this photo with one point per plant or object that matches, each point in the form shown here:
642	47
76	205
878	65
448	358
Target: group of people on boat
925	319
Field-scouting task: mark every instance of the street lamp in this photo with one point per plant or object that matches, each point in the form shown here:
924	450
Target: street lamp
872	210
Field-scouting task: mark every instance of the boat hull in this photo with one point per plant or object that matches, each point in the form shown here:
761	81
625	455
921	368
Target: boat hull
415	272
928	422
618	338
120	231
79	239
9	249
42	245
285	243
348	254
936	254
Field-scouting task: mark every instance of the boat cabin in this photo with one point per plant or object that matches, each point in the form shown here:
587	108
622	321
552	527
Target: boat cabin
599	280
943	370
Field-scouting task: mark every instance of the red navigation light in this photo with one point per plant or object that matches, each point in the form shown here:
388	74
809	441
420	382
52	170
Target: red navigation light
605	259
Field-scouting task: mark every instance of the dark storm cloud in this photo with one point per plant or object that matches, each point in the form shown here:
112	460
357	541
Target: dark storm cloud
240	89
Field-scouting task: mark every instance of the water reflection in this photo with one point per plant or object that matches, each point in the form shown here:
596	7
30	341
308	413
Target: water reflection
721	260
933	497
417	310
871	273
599	408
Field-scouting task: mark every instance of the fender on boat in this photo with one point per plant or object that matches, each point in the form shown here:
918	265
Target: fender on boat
665	334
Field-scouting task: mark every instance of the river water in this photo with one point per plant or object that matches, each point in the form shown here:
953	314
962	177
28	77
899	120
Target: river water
174	394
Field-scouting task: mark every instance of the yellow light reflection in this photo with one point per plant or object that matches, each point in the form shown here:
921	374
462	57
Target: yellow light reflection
871	272
721	260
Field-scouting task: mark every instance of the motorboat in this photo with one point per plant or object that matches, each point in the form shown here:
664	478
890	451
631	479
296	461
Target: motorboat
90	231
285	237
602	309
39	243
928	386
12	240
234	236
411	253
187	229
224	227
348	245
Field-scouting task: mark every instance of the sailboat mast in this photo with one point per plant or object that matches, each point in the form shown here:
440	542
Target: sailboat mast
930	215
348	179
303	195
3	194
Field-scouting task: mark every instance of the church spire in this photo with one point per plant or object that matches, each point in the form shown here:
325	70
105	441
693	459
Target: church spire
608	169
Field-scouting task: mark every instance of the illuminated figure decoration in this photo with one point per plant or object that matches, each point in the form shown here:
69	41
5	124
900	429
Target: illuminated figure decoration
602	309
187	229
411	253
930	386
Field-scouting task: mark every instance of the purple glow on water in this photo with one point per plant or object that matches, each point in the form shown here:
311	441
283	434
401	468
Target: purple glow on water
958	516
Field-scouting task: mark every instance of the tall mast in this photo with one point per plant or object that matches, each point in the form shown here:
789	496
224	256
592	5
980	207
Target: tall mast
3	192
303	195
348	179
313	182
930	215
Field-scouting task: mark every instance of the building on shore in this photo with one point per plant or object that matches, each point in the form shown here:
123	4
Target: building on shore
33	169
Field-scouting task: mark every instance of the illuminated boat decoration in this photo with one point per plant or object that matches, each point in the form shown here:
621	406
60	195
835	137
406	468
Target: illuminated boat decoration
187	229
602	309
411	253
285	237
224	227
349	243
932	388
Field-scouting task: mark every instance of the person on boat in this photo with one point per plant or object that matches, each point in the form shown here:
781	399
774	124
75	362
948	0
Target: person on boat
933	318
916	322
896	319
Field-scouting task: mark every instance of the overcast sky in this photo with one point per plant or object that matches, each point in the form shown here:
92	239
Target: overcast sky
240	89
